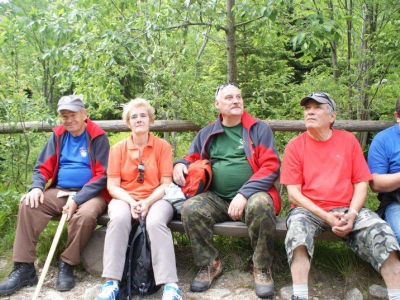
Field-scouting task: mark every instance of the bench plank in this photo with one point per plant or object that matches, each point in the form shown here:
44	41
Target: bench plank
234	228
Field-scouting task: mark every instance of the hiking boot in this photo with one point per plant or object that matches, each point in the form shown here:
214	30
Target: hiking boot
171	292
206	275
23	274
108	291
263	282
65	280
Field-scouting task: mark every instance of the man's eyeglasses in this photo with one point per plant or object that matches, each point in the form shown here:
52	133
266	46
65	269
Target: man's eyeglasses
224	85
323	95
140	178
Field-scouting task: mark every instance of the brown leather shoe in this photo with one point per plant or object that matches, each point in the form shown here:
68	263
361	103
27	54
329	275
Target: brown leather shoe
263	282
206	275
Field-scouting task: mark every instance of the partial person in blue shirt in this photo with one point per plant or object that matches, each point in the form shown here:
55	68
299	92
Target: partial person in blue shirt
384	164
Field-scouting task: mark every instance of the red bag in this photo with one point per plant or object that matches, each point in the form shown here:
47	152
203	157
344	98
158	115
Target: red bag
198	178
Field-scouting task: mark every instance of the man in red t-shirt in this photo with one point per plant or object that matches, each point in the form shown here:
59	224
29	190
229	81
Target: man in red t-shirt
326	176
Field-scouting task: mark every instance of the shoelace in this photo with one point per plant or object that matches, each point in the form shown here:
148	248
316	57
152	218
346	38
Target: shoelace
65	268
15	273
263	275
204	272
108	291
171	294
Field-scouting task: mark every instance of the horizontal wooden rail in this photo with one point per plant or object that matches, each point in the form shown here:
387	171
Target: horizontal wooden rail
181	126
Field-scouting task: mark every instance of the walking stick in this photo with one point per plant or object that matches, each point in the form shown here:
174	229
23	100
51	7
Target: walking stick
53	245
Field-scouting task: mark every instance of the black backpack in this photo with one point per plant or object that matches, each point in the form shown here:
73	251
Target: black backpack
138	276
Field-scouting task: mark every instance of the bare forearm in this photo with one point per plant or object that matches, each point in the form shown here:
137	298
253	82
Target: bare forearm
359	196
120	194
157	194
385	182
298	199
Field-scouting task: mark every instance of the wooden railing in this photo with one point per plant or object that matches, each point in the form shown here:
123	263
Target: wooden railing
182	126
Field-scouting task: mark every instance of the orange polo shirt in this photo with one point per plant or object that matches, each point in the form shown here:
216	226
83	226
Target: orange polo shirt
124	160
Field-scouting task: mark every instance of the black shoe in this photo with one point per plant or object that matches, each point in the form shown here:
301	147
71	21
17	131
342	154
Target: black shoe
65	280
23	274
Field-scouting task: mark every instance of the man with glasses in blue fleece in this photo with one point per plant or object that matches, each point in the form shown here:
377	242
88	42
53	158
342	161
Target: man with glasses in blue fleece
326	176
244	172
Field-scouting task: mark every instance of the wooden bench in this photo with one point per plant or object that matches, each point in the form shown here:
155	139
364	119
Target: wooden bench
235	228
92	255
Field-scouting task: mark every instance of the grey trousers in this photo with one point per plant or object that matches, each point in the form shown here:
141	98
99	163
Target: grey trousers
162	245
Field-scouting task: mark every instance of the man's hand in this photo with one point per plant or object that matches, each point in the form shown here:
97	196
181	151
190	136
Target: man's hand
180	170
335	218
236	208
33	197
346	227
69	208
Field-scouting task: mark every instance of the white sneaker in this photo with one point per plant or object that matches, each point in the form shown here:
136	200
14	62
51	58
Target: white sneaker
171	292
109	291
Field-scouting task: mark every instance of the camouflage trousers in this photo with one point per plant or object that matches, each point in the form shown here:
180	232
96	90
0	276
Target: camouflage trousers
371	238
201	212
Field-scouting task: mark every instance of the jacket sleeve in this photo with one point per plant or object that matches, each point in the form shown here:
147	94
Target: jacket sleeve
265	162
100	150
46	164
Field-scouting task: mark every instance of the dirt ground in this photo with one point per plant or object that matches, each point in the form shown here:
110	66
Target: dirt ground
325	281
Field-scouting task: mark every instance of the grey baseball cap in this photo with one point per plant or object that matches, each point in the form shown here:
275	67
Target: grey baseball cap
319	97
71	102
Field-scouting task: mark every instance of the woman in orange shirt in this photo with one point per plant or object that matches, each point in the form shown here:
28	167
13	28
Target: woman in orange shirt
139	171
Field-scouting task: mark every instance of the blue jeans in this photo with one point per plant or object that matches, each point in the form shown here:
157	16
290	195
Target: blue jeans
392	216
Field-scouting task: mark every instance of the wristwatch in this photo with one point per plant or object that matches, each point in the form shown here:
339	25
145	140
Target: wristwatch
353	211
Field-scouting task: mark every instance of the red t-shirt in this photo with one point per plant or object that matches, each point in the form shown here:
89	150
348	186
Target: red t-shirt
326	170
124	160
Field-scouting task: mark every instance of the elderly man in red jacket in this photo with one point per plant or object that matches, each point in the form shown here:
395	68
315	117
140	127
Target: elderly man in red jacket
74	159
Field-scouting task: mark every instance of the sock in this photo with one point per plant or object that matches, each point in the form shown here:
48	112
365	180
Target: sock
300	290
394	294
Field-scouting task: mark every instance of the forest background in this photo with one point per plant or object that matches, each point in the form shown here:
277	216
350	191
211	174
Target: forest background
175	53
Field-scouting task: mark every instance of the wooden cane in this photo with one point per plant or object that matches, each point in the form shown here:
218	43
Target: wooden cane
50	255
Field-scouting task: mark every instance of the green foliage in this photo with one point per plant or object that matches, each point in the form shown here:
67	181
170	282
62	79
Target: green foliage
9	201
117	137
174	53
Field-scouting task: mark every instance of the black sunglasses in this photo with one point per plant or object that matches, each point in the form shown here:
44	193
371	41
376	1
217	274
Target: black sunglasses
224	85
323	95
141	168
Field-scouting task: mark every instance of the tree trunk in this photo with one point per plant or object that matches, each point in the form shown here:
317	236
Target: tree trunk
336	71
231	42
363	66
349	12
